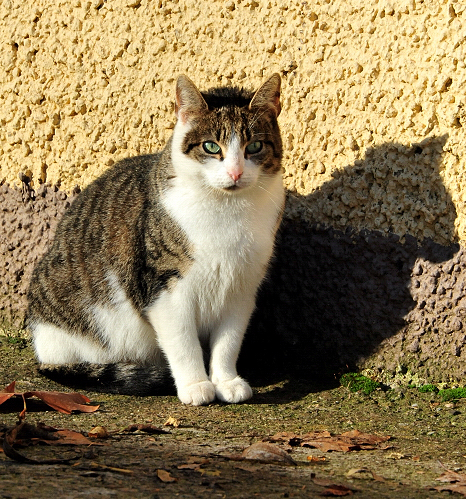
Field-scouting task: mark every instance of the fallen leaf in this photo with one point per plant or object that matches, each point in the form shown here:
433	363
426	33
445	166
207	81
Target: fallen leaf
395	455
205	472
194	463
64	437
451	477
36	432
69	437
165	476
267	453
7	393
171	421
189	466
146	428
316	459
64	402
456	482
332	489
337	491
363	474
60	401
353	440
98	432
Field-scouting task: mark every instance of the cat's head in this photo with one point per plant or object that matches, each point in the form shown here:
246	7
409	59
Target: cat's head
227	138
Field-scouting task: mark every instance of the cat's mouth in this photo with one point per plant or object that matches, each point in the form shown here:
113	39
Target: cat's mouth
233	187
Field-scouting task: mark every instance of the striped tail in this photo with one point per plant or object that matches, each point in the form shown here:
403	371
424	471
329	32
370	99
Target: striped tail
119	378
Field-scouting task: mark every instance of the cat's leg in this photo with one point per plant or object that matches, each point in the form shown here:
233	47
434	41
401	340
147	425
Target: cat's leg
225	346
174	322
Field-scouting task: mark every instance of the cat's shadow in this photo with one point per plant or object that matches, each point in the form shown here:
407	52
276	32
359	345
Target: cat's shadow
333	296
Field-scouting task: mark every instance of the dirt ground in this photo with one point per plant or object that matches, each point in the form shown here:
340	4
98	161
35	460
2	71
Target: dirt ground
199	458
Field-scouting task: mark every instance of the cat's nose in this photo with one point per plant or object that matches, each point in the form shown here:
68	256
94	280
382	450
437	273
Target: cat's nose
235	175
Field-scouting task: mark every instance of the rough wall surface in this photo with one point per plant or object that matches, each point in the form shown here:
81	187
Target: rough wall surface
373	124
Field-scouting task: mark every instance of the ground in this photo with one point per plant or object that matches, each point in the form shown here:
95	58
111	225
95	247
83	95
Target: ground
200	457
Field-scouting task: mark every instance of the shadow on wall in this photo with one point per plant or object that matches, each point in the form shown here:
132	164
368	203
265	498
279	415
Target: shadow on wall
334	297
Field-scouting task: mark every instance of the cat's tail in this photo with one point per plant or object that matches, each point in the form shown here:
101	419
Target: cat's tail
119	378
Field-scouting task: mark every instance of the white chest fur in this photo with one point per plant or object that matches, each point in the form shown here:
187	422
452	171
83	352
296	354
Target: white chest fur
232	236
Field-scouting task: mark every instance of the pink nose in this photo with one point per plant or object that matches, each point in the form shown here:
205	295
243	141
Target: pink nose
235	175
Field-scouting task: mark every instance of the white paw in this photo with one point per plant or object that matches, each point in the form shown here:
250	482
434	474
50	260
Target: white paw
233	391
197	394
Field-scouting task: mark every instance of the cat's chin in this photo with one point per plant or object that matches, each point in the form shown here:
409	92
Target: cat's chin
232	189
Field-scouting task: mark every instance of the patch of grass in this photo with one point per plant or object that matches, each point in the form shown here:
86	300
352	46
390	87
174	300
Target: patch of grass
356	382
428	389
15	339
452	394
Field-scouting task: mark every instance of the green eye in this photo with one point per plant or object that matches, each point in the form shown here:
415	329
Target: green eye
211	147
254	147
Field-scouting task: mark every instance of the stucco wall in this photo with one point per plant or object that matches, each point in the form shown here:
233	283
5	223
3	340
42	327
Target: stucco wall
373	115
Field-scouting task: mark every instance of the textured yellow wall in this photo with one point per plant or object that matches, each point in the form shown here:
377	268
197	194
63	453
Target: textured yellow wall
373	95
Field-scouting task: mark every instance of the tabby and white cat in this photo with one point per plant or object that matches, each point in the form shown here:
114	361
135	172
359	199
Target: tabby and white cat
163	255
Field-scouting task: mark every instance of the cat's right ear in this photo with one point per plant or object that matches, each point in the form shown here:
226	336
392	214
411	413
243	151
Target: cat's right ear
268	95
189	101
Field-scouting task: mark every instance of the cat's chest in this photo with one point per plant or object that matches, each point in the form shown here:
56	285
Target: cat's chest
230	232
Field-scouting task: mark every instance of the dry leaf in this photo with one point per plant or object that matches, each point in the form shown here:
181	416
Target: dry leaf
456	482
267	453
171	421
69	437
7	393
189	466
363	474
337	491
146	428
165	476
63	437
205	472
316	459
323	440
332	489
98	432
60	401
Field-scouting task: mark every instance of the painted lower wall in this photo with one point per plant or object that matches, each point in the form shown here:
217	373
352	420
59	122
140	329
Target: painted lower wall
370	262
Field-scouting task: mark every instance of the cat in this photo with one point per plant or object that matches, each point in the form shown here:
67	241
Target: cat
160	258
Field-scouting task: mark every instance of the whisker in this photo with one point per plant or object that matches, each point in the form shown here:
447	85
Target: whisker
270	195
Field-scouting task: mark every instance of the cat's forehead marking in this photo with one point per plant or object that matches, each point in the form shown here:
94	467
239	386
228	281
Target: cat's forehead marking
230	121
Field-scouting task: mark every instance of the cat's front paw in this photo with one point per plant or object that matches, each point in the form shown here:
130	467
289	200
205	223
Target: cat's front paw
197	394
233	391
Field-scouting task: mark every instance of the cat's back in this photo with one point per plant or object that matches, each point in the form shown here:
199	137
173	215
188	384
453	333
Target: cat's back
103	233
120	189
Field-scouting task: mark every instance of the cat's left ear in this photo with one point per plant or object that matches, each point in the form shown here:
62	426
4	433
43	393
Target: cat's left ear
189	101
268	95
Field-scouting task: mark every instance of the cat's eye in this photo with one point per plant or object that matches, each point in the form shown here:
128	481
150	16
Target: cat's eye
211	147
254	147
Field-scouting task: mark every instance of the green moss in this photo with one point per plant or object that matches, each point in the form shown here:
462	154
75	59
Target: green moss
356	382
428	389
16	339
452	394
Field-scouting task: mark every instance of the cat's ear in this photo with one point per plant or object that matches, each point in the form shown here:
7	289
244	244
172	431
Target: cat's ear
268	95
189	101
